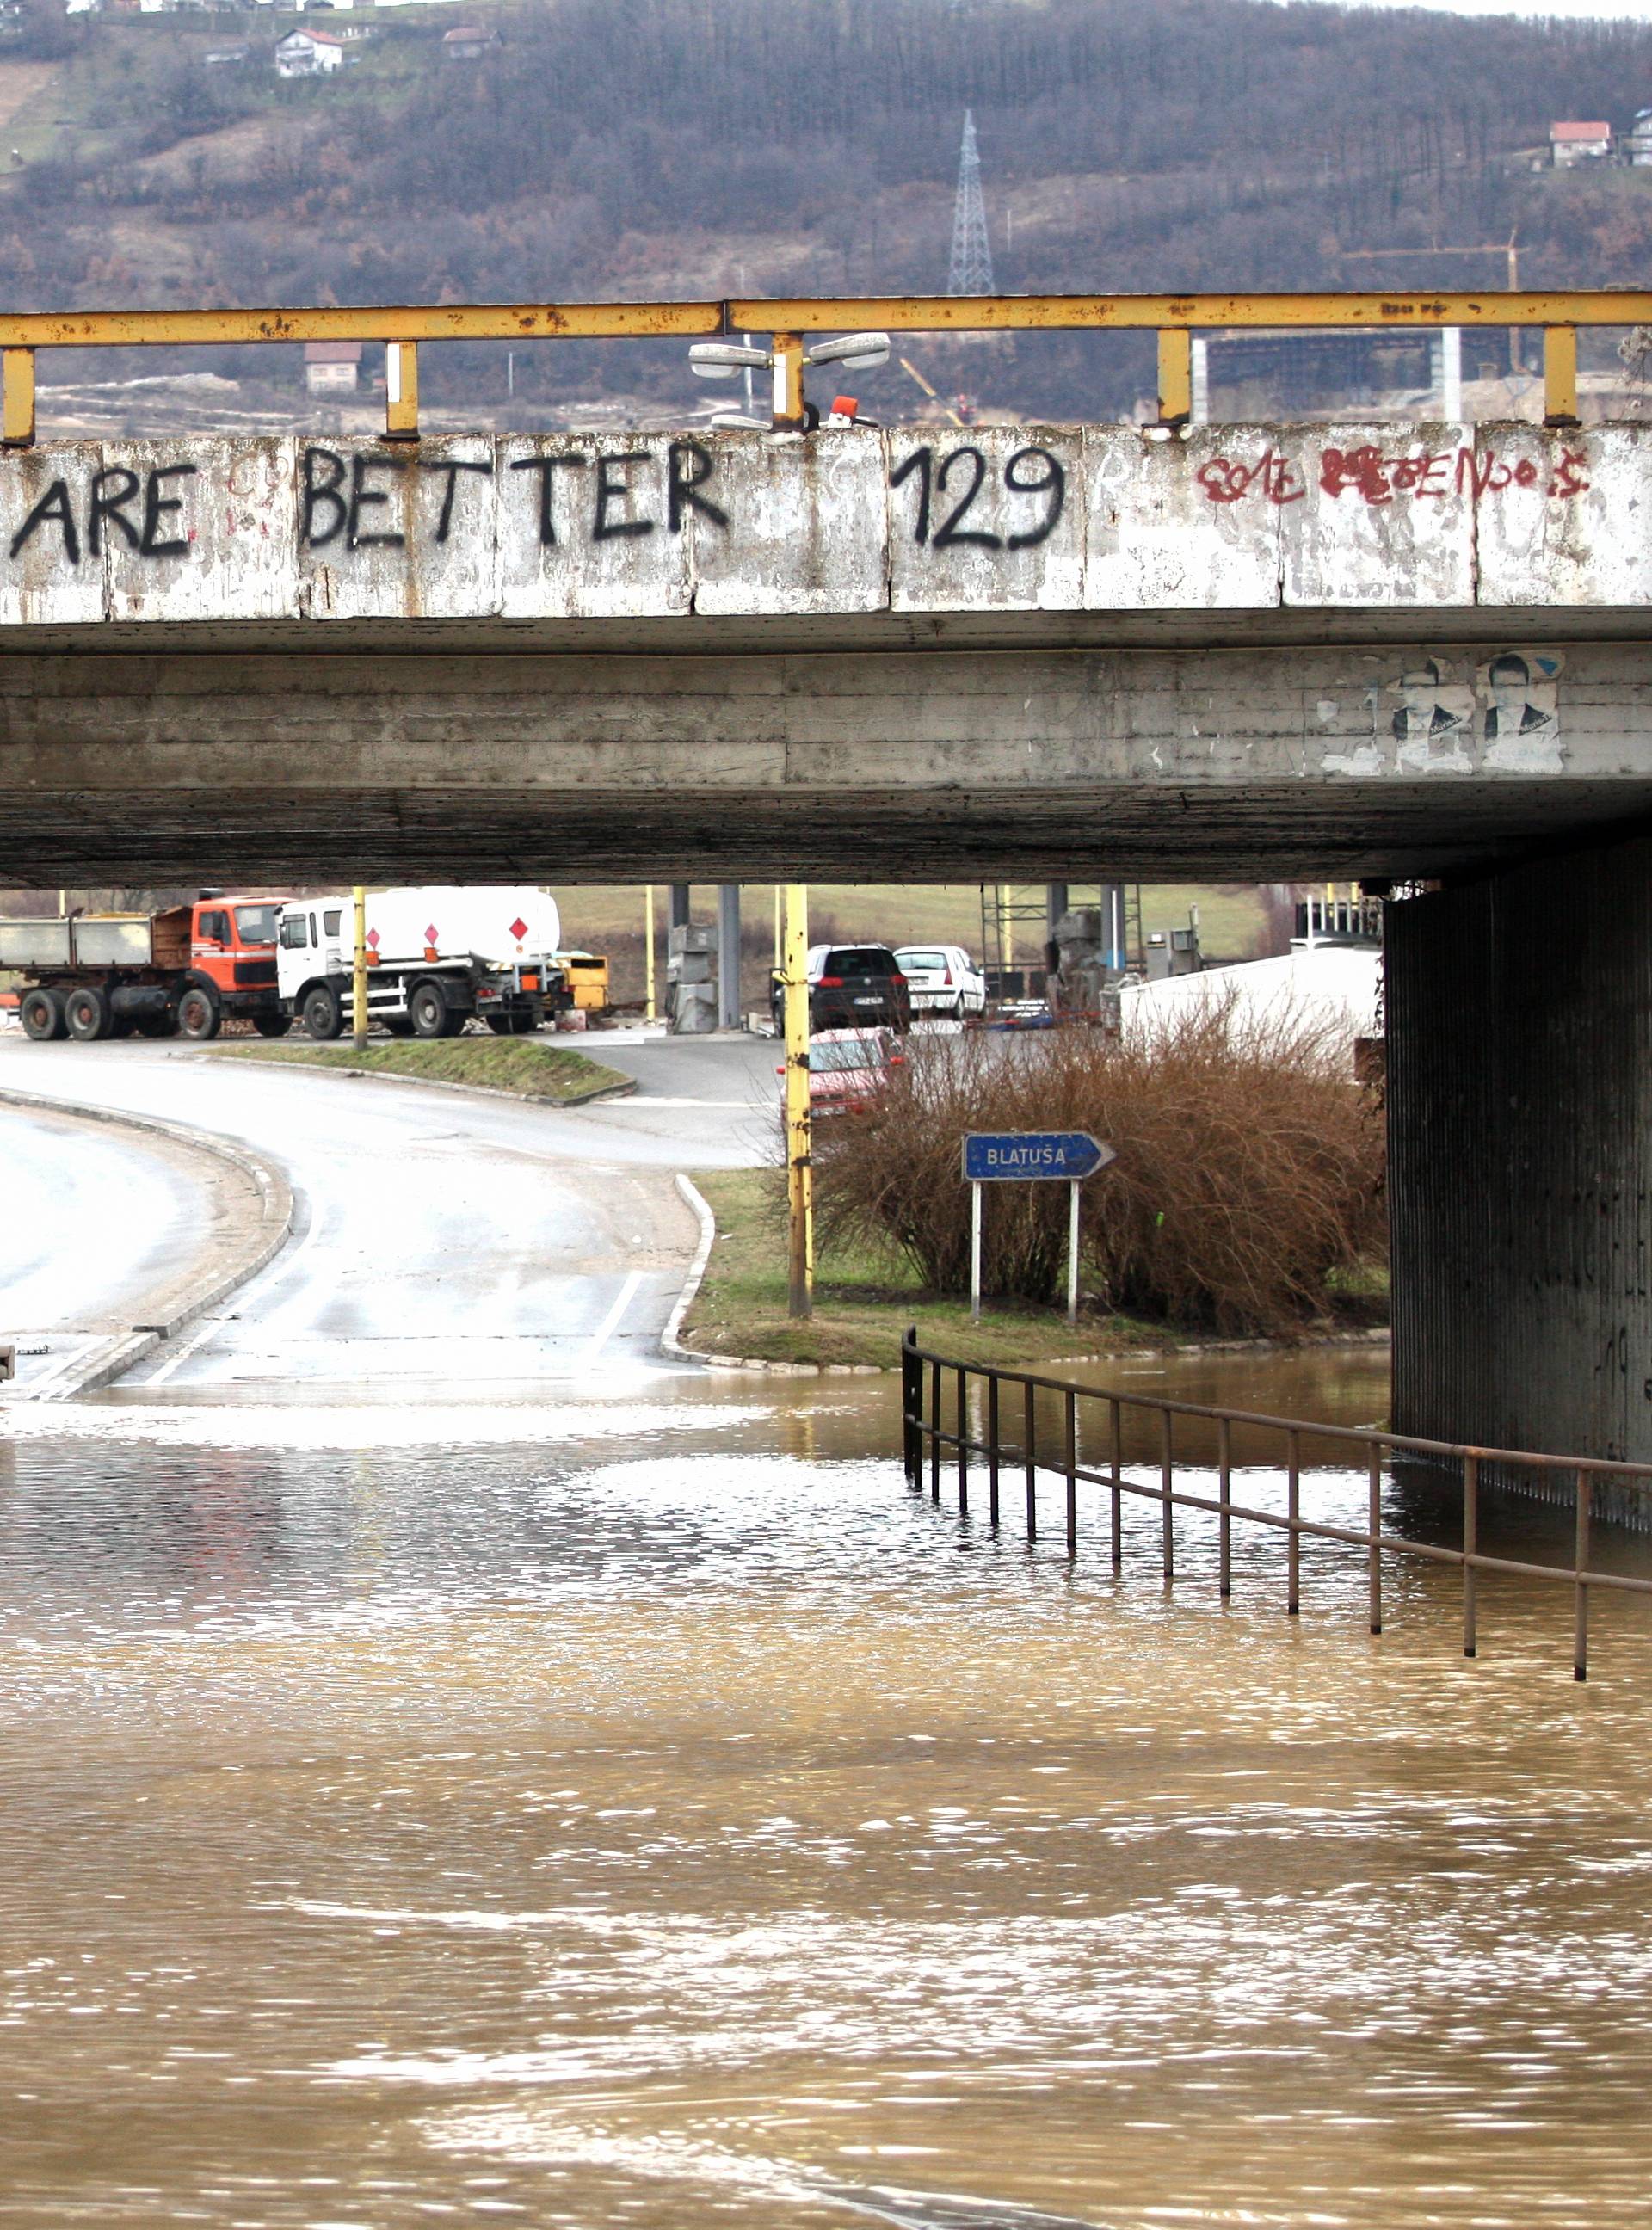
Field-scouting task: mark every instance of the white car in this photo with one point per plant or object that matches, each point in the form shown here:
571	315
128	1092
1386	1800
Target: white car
942	980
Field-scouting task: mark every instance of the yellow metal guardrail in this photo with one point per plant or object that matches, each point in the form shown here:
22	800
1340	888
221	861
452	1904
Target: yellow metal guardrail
1175	317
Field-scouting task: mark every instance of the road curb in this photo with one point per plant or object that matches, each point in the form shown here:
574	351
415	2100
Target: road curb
670	1339
273	1231
622	1091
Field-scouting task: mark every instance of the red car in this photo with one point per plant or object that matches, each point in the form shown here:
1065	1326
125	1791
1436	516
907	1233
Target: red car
847	1069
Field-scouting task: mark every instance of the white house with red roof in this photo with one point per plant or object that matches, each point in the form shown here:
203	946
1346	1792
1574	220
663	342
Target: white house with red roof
1570	144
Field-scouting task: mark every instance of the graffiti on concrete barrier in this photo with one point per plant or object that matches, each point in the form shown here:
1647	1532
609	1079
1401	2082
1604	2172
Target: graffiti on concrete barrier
347	501
1378	477
117	502
961	474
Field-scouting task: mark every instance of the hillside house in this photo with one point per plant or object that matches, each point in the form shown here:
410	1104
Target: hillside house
332	367
1570	144
309	54
464	43
1640	140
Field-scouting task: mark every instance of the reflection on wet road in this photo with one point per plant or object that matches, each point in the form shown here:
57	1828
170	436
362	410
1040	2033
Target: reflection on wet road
441	1241
665	1820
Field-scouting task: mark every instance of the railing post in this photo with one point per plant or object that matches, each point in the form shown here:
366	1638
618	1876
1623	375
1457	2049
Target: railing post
1072	1474
911	1393
1224	1544
1175	375
1030	1451
401	391
1580	1565
1470	1547
1374	1509
992	1448
17	408
1294	1513
1560	375
963	1438
935	1432
787	350
1117	1514
1166	1479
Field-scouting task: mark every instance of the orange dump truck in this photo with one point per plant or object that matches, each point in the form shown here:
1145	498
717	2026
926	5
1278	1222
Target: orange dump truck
179	973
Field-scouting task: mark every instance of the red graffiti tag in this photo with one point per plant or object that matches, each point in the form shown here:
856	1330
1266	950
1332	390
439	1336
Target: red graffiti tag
1378	477
1225	481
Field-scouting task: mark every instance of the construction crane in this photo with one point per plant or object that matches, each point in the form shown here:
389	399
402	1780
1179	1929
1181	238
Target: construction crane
912	372
1509	249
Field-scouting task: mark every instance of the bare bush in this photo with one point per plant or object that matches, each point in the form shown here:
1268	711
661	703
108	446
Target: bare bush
1249	1168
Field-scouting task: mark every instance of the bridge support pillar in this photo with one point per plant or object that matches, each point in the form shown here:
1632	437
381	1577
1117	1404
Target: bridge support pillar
1518	1020
728	955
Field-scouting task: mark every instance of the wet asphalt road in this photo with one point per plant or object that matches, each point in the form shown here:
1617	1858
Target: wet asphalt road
444	1245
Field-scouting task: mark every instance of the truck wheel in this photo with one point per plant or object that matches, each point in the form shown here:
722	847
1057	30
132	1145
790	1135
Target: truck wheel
86	1011
198	1015
323	1012
271	1026
41	1014
428	1012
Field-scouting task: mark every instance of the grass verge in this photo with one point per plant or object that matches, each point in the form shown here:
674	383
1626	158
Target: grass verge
540	1072
864	1299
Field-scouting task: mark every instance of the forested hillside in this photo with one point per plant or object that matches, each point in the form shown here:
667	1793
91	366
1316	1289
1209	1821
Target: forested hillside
615	147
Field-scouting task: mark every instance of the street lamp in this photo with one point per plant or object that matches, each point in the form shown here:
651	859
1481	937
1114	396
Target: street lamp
785	357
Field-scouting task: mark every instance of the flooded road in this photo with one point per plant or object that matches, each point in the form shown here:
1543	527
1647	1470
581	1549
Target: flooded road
647	1812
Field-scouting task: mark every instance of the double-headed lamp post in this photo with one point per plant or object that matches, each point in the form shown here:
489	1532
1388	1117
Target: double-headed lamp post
785	357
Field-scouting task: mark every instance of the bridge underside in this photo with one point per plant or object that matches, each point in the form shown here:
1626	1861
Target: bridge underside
780	751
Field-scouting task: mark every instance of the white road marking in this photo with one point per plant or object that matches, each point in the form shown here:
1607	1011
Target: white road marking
278	1270
599	1338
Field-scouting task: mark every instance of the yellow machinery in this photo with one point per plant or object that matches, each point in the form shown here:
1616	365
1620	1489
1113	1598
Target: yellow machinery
586	976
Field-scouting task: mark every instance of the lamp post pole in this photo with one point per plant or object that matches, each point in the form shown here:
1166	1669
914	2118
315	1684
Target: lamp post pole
358	977
799	1171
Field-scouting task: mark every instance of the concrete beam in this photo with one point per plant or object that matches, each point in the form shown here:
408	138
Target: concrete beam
1353	650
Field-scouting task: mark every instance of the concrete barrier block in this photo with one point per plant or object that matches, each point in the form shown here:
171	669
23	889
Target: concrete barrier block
1378	516
585	527
789	525
53	575
395	530
1188	522
1563	517
985	518
203	529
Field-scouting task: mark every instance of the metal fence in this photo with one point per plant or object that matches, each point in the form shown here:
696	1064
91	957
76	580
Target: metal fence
1557	313
1010	1444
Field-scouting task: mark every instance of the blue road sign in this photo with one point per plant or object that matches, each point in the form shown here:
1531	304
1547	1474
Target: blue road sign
1033	1156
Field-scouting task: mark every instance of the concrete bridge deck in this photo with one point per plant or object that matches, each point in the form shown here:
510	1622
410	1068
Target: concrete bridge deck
1278	652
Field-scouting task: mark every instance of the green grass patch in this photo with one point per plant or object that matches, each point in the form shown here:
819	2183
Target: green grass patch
864	1299
541	1072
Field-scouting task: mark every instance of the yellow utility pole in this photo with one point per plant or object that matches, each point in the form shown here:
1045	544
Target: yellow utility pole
648	952
800	1205
358	1018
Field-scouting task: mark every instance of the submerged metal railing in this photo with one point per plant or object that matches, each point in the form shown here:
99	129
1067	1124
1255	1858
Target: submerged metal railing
926	1437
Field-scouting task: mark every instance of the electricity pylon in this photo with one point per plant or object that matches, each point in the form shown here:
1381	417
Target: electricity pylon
971	271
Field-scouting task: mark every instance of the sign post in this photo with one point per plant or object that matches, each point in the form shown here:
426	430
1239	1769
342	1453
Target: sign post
1031	1157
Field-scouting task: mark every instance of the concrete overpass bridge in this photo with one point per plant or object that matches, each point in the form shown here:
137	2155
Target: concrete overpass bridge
1276	652
1407	654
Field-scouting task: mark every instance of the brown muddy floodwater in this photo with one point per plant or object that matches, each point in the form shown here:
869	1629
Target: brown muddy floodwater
660	1818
